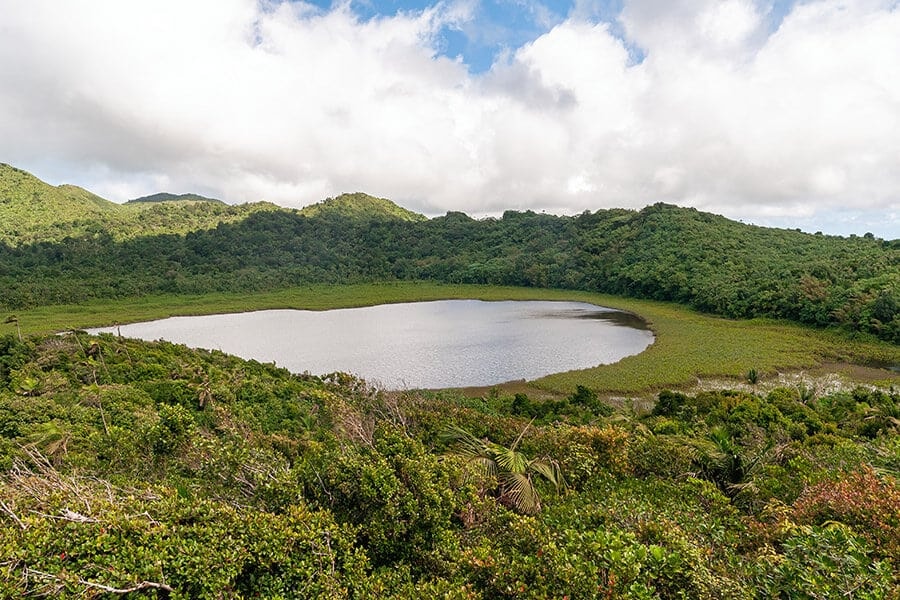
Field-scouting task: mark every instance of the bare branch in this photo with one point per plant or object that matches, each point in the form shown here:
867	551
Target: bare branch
144	585
9	511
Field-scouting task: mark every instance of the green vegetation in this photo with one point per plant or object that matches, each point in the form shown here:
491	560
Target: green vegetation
359	206
167	197
661	253
688	344
151	470
752	376
33	212
157	471
511	469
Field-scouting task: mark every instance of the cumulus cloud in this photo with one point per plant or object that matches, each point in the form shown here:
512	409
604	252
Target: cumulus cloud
249	100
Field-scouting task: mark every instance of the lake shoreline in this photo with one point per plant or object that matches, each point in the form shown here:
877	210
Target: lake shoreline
421	345
688	344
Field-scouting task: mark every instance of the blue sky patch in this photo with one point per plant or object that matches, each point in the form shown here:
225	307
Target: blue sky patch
496	25
506	25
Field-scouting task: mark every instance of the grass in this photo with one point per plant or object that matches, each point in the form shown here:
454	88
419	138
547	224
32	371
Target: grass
688	344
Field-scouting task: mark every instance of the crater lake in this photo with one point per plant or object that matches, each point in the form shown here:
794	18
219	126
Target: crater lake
440	344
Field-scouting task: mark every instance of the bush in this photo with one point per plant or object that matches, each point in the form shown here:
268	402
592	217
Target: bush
396	495
669	456
669	403
172	431
824	562
862	500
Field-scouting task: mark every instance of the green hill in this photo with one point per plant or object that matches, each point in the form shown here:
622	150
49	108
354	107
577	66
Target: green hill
33	211
361	206
167	197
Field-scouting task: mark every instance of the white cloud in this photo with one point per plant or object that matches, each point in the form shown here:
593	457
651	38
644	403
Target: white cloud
250	100
685	28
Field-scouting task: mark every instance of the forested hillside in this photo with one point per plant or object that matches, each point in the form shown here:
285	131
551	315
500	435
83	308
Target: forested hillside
359	206
167	197
32	211
156	471
661	252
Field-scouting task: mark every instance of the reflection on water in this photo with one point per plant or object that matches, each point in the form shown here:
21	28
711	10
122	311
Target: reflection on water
589	311
449	343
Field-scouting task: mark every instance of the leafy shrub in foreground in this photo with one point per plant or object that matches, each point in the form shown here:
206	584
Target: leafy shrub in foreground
828	561
77	535
397	494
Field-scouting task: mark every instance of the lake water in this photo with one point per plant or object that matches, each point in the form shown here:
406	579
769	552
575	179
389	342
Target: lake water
449	343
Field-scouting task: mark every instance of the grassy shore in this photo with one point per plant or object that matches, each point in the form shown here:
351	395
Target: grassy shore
688	344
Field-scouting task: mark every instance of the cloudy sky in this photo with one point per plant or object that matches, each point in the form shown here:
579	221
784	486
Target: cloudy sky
775	112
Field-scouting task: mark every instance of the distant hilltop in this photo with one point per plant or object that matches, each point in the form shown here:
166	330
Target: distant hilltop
32	211
167	197
359	205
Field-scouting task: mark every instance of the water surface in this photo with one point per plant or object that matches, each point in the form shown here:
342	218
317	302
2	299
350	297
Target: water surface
448	343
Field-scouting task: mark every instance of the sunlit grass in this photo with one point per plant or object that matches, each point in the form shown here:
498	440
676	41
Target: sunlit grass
688	344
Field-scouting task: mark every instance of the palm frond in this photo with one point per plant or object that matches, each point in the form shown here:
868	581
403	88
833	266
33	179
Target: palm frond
510	460
521	435
463	443
549	470
484	465
518	491
512	468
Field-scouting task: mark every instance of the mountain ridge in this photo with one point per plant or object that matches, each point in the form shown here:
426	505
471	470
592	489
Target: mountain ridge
68	204
167	197
33	211
359	205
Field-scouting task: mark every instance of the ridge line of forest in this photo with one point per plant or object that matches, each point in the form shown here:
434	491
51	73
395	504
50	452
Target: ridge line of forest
661	252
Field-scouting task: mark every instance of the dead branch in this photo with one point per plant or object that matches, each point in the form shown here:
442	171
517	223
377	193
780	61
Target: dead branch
144	585
324	487
147	515
66	515
71	515
40	476
9	511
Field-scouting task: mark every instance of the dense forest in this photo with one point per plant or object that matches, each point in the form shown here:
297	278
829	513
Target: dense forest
135	469
662	252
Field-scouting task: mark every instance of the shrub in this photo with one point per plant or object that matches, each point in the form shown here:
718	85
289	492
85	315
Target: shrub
862	500
824	562
173	429
752	377
669	403
396	494
668	456
587	398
